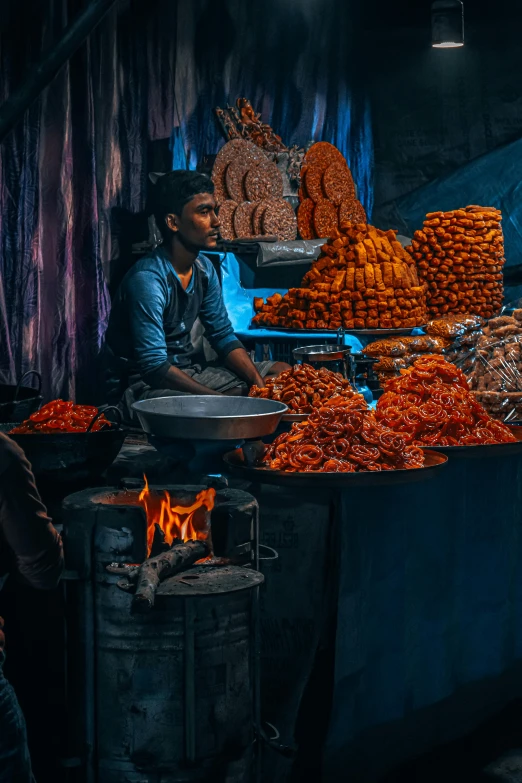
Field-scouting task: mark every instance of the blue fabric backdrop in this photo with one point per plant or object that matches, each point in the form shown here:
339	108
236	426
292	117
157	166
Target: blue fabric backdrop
299	64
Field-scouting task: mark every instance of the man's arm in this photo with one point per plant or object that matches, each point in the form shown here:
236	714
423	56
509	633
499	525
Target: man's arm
218	329
179	381
240	362
25	526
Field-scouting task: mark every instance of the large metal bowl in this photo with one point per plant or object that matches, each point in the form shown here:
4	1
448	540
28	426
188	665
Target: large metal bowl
202	417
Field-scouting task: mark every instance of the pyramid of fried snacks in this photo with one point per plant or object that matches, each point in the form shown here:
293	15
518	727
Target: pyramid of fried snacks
431	405
363	279
460	255
304	387
341	437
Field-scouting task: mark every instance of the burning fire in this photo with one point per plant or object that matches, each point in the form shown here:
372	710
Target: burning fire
182	522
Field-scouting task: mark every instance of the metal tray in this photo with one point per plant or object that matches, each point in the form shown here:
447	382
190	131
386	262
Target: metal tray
202	417
295	416
236	463
483	451
357	332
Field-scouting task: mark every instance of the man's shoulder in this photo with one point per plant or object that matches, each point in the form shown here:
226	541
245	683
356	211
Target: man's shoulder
205	264
154	262
152	266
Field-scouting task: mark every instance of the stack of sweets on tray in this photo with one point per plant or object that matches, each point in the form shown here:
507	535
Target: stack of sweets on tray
248	188
304	388
327	197
431	405
460	255
364	279
496	378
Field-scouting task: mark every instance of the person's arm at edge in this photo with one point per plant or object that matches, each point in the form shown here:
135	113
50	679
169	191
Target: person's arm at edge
27	529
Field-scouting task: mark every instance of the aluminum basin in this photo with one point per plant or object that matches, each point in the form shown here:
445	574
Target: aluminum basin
202	417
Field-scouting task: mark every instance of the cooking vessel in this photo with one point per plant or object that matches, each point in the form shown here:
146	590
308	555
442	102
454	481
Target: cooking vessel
71	456
237	463
18	402
207	417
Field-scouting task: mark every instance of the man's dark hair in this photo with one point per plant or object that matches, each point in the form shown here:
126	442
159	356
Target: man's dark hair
173	191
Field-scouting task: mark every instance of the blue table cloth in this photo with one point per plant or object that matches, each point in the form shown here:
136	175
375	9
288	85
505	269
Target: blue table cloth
429	627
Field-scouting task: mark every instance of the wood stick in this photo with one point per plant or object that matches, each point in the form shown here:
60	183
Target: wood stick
178	558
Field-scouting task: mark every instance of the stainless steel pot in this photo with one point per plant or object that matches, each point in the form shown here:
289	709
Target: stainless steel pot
202	417
334	357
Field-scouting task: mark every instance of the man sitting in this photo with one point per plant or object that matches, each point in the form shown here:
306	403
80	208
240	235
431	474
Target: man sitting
148	347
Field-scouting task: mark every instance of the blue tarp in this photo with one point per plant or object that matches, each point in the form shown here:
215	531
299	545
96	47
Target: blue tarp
239	304
429	624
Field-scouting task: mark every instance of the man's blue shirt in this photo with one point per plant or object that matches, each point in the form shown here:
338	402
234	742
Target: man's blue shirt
152	316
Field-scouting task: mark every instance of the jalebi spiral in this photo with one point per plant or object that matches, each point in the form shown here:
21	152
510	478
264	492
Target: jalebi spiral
431	405
304	387
342	436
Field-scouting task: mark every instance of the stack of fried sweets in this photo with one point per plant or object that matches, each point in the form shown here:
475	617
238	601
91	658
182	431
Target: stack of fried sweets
327	195
364	279
460	255
431	405
248	188
342	436
304	387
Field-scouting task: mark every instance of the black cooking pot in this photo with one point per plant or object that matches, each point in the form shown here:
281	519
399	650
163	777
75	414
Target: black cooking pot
18	402
71	456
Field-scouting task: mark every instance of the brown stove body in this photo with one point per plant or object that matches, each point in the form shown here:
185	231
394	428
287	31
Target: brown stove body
170	697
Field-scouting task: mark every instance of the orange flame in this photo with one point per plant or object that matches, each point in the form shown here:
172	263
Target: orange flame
182	522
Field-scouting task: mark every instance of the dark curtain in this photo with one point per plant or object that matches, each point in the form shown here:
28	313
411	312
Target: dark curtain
151	70
79	152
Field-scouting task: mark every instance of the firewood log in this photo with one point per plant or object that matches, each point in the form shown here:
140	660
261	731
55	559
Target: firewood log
151	572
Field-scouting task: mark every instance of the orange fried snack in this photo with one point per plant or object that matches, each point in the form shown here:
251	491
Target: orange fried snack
303	388
363	279
460	257
431	405
59	416
341	437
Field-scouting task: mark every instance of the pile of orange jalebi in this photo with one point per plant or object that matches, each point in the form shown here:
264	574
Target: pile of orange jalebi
60	416
304	387
431	405
343	436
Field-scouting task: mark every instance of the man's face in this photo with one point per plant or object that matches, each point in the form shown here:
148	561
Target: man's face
198	224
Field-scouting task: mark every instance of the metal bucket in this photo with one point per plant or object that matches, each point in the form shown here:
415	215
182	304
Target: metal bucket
172	696
175	690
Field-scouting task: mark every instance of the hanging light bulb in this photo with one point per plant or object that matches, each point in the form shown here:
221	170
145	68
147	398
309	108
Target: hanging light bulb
447	24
